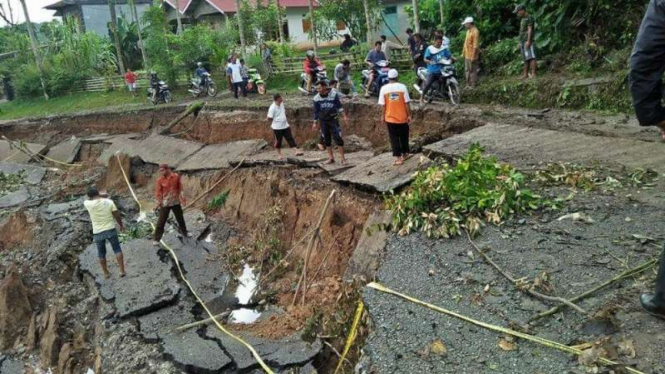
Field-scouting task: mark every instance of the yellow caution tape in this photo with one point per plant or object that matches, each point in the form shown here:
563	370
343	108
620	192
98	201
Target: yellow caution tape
265	367
352	335
531	338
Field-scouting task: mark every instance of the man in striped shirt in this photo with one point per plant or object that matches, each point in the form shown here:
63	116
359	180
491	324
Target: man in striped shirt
394	98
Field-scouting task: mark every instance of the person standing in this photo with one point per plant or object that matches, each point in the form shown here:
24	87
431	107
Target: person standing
280	125
387	46
418	56
394	99
266	56
327	108
235	70
410	40
169	197
103	213
471	53
647	64
527	31
130	80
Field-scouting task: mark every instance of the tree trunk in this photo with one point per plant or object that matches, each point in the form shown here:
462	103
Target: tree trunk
240	26
443	25
177	17
116	39
416	16
280	23
135	15
368	22
313	24
33	43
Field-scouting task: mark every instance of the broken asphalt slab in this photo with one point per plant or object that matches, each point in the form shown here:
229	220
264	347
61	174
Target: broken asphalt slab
148	286
217	156
525	146
15	198
155	149
109	139
366	258
195	354
14	155
33	174
352	160
12	366
380	175
66	151
164	321
309	159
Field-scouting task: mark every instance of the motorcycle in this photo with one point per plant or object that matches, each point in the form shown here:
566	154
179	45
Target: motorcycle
255	83
446	87
159	93
381	69
321	75
208	86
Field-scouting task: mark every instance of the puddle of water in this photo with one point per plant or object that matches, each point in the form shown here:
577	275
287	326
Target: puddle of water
246	288
244	316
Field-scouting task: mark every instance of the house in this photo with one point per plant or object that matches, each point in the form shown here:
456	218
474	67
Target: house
94	15
395	21
217	12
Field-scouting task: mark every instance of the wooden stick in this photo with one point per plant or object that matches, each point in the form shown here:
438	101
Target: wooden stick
303	275
214	185
202	322
310	232
193	107
630	272
514	281
324	258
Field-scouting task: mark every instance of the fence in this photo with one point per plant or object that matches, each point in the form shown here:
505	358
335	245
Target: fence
101	84
399	59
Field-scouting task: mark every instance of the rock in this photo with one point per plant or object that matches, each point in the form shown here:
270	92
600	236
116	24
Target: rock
113	181
15	198
370	248
54	211
380	175
155	325
32	337
352	159
15	308
14	155
66	151
50	339
148	286
34	174
193	353
12	366
217	156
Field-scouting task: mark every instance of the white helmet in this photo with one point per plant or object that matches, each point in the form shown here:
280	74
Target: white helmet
199	64
310	53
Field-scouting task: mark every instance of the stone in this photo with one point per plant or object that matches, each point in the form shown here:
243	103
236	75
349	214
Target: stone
12	366
33	174
54	211
113	180
193	353
15	308
369	251
49	345
157	324
16	156
15	198
66	151
148	286
380	175
352	160
217	156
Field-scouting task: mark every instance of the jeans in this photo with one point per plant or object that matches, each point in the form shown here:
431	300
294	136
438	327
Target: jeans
100	240
429	81
239	86
164	215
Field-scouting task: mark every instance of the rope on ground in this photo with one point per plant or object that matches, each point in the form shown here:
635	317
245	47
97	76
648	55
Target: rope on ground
213	186
628	273
21	147
352	335
191	288
514	281
503	330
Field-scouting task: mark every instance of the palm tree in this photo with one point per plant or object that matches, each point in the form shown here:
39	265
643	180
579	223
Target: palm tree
416	16
35	51
116	40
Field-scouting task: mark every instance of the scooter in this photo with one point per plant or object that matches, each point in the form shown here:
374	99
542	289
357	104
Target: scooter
159	92
446	87
255	83
208	86
381	69
321	75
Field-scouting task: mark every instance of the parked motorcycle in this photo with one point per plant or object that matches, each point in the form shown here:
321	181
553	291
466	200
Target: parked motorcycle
159	93
446	87
321	75
381	69
255	83
208	87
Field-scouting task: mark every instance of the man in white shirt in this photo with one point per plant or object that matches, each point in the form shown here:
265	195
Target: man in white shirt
103	213
235	70
280	125
387	46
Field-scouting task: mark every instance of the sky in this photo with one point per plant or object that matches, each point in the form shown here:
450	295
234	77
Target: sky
35	9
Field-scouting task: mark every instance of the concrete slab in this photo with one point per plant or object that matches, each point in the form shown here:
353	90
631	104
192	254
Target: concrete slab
148	286
15	198
156	149
33	174
217	156
352	160
66	151
523	147
380	175
14	155
195	354
109	139
309	159
366	258
128	147
157	325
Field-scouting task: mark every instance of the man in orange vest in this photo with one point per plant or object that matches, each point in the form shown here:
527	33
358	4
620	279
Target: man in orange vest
394	98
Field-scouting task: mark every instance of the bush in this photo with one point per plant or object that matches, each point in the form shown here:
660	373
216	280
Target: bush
27	82
443	200
502	58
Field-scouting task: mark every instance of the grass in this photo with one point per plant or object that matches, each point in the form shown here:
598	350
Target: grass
77	102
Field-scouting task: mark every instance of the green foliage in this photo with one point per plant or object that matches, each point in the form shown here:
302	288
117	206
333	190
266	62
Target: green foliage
351	12
27	82
136	230
218	201
11	182
444	200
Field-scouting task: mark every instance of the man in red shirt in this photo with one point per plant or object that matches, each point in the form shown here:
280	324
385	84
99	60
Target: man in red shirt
169	197
130	79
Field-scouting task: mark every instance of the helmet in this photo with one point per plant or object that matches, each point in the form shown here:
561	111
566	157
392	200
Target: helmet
199	64
310	53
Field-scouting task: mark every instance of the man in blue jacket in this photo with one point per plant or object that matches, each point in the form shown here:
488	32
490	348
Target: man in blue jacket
327	108
647	65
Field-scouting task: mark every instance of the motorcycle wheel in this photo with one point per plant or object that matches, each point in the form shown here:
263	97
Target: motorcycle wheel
432	92
212	90
454	93
167	97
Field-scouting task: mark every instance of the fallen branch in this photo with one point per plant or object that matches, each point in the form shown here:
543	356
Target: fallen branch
628	273
312	241
282	261
324	259
337	353
214	185
191	108
503	330
202	322
514	281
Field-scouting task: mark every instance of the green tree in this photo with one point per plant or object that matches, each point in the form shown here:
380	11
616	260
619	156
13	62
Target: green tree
351	13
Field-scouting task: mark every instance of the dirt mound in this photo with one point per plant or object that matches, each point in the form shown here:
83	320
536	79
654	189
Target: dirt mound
15	231
15	308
